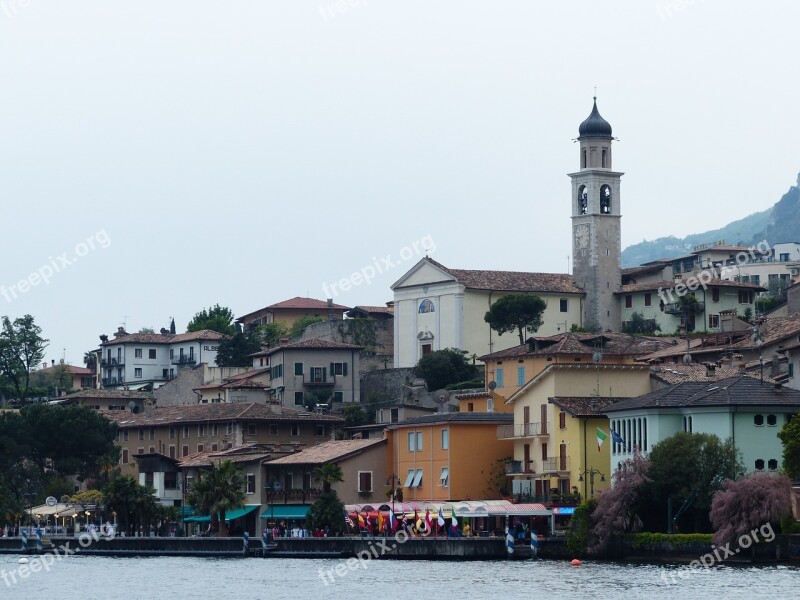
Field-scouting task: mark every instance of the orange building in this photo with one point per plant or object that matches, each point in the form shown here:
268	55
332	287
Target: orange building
449	456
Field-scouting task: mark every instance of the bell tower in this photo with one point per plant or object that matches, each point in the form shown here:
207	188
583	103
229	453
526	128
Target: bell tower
596	233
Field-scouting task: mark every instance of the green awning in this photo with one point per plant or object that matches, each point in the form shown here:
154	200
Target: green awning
229	516
286	511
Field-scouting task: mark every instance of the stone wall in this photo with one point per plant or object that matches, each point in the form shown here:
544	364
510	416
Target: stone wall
179	390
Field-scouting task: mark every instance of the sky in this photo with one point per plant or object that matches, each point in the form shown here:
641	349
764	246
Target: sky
160	157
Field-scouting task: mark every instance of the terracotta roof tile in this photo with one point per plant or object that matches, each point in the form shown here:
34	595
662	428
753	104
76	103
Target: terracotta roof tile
571	343
165	338
591	406
669	284
310	303
334	450
512	281
672	374
70	369
108	394
314	344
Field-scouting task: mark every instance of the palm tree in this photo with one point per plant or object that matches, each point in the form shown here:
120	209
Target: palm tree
90	360
119	496
328	474
219	491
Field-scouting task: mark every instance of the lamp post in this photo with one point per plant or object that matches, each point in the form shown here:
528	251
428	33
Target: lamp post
591	473
393	481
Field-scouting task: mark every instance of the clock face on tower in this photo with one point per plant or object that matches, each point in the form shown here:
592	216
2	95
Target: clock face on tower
582	236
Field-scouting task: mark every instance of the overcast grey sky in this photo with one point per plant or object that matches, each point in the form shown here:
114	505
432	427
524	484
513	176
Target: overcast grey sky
244	152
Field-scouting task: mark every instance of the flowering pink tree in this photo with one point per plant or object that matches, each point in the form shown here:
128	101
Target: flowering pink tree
616	511
749	503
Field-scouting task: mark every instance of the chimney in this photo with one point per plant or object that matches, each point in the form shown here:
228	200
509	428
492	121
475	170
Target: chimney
330	309
120	331
742	368
710	370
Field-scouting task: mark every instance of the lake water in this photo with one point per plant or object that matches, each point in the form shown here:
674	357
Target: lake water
101	578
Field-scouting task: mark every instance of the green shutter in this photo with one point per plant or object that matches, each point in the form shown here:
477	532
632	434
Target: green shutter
324	375
333	370
344	369
298	368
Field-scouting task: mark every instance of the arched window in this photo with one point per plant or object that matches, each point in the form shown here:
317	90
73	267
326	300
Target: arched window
605	154
583	158
605	200
583	200
426	306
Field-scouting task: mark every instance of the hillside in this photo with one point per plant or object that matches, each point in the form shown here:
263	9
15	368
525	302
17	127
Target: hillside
780	223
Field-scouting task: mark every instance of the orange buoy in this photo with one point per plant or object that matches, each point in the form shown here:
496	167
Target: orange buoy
575	562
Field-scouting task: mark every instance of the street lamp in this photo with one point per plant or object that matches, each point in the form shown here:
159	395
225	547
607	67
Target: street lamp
591	473
394	481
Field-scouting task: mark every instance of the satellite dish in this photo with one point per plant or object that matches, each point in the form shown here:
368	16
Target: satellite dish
597	357
492	385
131	405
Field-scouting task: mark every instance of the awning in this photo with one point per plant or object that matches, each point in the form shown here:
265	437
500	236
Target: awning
289	512
229	516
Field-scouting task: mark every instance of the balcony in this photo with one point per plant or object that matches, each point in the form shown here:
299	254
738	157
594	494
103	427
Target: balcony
183	360
522	430
319	381
112	381
554	465
674	308
519	467
112	362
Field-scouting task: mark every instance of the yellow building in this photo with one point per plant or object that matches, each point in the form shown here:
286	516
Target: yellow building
512	368
449	456
556	416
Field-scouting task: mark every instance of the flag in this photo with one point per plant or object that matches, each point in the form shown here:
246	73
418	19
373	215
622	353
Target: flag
380	522
440	520
453	519
428	520
348	520
361	522
392	521
616	438
601	437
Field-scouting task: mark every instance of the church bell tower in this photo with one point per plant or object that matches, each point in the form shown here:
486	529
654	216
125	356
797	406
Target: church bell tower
596	237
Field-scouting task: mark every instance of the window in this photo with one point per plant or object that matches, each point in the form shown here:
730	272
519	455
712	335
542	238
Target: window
605	200
338	396
137	373
426	349
445	476
298	398
125	435
295	429
583	197
648	299
410	479
141	434
318	375
152	450
418	479
784	257
201	447
426	306
419	441
339	369
604	158
394	415
201	430
298	368
745	297
215	430
251	483
713	321
185	451
319	430
562	420
137	353
520	375
172	451
772	464
445	439
470	407
365	481
412	437
171	481
687	425
229	428
498	377
186	431
755	279
758	420
629	301
124	456
490	405
715	294
772	420
251	429
273	429
140	451
151	353
759	464
276	372
563	305
172	432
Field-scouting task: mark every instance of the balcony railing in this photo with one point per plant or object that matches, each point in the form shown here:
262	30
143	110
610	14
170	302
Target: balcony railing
522	430
674	308
183	360
518	467
112	362
112	380
554	465
313	381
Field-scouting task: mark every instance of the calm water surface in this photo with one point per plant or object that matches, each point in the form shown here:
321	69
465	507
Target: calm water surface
99	578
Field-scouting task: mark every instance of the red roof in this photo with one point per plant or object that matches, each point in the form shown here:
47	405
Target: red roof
314	344
311	303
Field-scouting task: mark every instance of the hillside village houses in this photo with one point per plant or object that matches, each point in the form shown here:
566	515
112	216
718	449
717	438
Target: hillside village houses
532	432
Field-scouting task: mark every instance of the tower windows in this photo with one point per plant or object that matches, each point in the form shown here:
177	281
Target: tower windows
604	159
583	158
605	200
583	200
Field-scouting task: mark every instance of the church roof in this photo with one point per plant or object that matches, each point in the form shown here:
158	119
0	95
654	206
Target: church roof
595	125
512	281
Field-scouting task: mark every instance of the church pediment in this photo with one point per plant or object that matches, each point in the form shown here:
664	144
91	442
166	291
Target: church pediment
425	272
